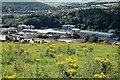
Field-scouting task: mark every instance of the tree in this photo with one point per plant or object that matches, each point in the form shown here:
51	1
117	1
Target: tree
93	39
75	35
87	37
32	21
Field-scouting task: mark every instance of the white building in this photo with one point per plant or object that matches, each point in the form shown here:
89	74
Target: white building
26	27
99	34
68	27
75	30
3	38
48	32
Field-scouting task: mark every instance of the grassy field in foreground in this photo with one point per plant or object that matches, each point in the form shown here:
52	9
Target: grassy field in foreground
59	60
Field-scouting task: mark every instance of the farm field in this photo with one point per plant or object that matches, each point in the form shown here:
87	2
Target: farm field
59	60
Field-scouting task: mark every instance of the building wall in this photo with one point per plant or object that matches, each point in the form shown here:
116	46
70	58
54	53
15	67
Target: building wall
68	27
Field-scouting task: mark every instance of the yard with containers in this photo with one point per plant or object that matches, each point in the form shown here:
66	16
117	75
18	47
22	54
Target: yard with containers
59	60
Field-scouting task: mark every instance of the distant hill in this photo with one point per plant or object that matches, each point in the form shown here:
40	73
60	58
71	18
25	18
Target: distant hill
53	4
107	0
22	0
25	6
43	1
59	0
33	6
81	0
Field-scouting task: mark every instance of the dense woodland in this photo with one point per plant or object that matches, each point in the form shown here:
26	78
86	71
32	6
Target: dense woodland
92	19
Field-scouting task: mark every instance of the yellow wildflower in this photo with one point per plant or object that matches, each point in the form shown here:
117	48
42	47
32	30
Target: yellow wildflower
68	59
76	51
59	45
74	60
101	75
115	53
51	46
37	59
84	48
72	70
16	42
48	42
96	75
59	55
45	43
97	59
58	42
70	64
60	63
50	53
103	60
9	43
52	50
9	77
13	76
74	65
25	51
5	49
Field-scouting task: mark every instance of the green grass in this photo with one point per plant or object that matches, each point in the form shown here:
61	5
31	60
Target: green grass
20	60
52	4
0	61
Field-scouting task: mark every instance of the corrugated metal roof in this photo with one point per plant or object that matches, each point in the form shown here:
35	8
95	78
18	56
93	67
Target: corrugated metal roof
44	31
96	33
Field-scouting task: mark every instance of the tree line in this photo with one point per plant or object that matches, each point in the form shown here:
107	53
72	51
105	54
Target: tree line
90	19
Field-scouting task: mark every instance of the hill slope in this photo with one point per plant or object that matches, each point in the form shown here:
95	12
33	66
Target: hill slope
85	60
81	0
22	0
25	6
58	0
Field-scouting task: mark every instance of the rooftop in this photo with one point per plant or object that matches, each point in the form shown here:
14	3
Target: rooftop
44	31
94	32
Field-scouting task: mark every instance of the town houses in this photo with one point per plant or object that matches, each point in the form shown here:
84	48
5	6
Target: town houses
28	33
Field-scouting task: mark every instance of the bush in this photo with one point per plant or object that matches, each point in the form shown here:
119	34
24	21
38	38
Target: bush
87	38
75	35
43	36
93	39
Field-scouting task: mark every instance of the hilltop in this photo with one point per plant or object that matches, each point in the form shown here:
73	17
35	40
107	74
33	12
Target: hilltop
22	0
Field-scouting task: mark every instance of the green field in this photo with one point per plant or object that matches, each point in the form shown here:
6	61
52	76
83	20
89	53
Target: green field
59	60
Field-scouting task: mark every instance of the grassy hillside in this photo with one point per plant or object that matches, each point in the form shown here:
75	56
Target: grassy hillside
25	6
53	4
108	0
59	60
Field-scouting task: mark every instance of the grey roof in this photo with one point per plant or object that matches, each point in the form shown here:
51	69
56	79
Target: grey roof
118	42
97	33
114	42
